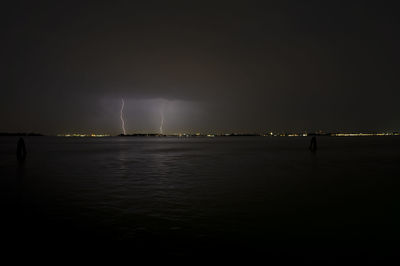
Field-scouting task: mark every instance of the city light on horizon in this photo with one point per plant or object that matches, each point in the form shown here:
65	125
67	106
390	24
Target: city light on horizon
211	134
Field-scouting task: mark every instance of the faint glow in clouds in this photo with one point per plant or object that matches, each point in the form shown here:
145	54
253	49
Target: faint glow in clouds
121	116
148	115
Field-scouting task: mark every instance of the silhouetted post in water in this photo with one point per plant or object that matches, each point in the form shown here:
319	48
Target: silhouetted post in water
313	144
21	150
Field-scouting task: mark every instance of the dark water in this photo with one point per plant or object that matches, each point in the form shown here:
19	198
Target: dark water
268	198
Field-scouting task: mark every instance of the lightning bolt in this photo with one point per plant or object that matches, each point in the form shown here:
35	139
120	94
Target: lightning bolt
121	116
162	122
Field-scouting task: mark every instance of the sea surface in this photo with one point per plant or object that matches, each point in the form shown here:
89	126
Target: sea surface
254	197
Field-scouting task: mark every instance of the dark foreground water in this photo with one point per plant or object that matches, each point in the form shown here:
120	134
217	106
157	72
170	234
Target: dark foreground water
201	198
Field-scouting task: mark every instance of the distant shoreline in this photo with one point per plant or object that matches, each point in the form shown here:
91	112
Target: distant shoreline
19	134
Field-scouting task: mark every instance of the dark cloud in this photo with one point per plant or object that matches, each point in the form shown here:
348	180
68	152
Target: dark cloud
252	66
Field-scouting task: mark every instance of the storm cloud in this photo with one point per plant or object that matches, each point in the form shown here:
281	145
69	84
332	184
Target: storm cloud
253	66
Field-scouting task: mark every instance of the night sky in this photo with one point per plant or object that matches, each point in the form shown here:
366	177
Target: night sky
207	66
